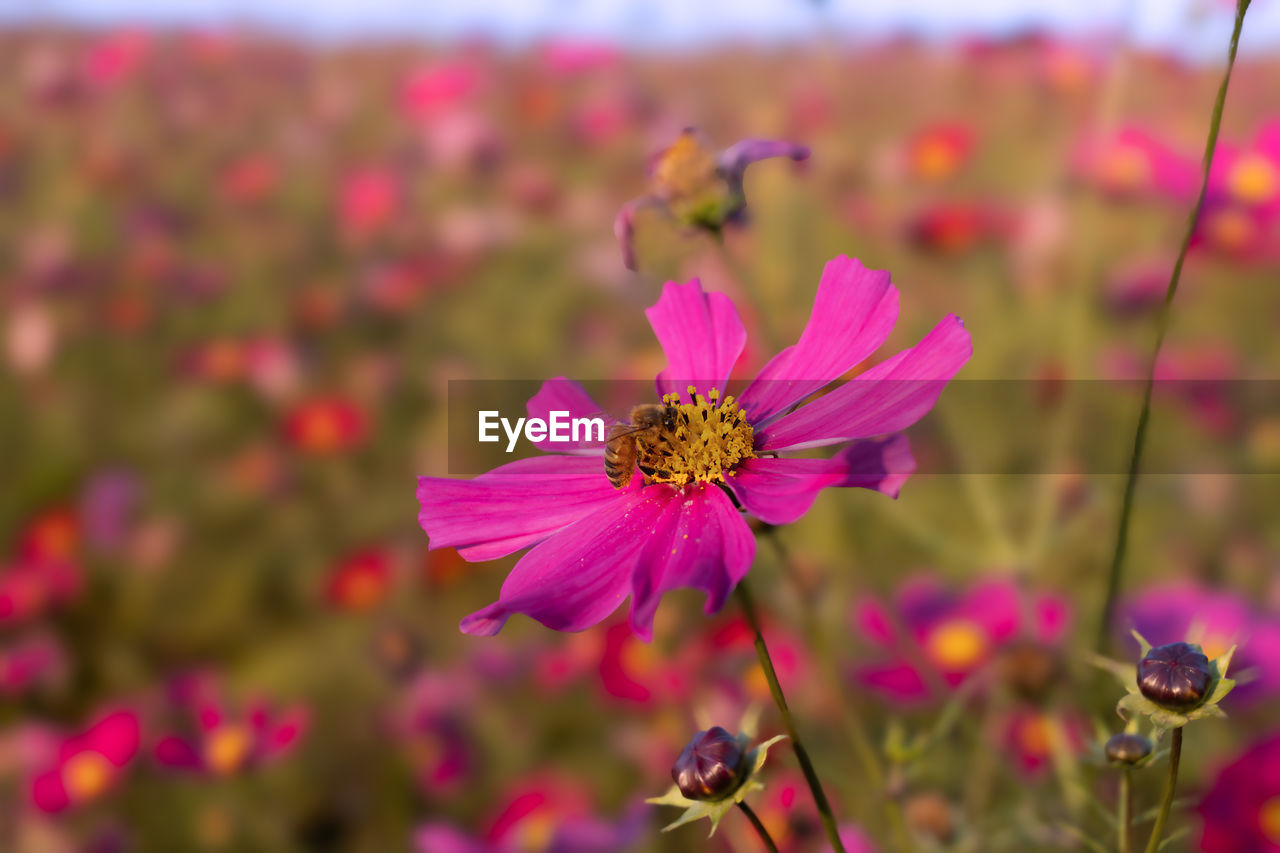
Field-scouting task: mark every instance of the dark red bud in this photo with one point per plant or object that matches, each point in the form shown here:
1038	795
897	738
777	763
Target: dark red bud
710	767
1175	676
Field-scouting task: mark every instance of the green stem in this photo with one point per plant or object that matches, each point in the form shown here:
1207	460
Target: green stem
1166	802
857	731
1162	327
1124	809
760	829
802	755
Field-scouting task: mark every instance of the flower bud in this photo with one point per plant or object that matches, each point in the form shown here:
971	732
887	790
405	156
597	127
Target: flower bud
1126	748
1175	676
710	767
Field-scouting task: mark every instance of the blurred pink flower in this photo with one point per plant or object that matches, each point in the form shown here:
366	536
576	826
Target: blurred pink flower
938	151
1133	163
224	743
30	661
542	815
1241	811
29	588
594	544
1250	176
430	90
89	764
937	637
116	57
367	200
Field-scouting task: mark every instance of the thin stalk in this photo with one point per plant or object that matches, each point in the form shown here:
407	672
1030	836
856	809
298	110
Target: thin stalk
802	754
1124	810
1166	802
1162	326
760	828
854	726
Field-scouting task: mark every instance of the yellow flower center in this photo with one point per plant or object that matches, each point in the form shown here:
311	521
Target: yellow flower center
957	645
687	177
86	775
226	748
1035	735
534	833
935	159
1254	179
1269	820
710	437
1126	168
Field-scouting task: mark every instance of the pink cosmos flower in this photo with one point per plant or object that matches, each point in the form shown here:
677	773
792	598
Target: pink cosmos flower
938	637
87	765
1134	163
1250	176
225	743
541	815
680	525
1241	812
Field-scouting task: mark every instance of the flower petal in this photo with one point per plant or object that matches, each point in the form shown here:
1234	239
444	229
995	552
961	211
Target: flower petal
579	576
701	541
701	335
567	397
735	159
779	491
853	312
887	398
513	506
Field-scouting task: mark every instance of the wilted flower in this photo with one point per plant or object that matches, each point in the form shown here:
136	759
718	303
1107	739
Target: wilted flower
698	187
679	524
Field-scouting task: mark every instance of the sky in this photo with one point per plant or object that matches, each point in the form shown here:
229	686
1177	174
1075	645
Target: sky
1194	28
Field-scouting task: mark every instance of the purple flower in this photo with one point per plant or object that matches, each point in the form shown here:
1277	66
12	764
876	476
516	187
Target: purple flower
697	187
680	526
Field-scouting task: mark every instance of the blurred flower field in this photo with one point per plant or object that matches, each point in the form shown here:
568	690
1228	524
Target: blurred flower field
238	274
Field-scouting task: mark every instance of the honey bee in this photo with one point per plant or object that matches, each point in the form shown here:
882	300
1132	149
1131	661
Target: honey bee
620	449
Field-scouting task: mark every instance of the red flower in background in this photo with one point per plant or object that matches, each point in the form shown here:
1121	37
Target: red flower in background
88	764
326	425
360	581
939	151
